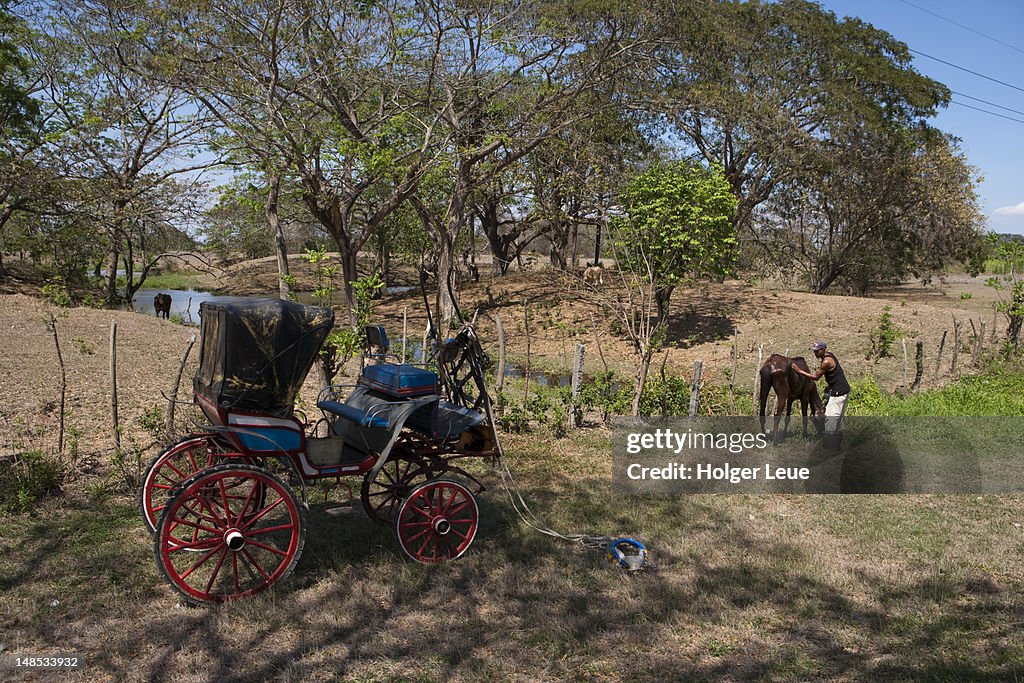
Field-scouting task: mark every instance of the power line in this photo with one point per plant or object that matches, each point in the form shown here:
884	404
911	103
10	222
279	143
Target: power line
991	104
957	66
978	109
966	28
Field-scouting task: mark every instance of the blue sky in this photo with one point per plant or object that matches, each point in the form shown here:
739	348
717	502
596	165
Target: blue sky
994	145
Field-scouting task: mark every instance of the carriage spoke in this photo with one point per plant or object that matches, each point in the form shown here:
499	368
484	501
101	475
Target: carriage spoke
200	563
178	521
241	512
197	545
268	548
261	514
419	535
270	529
216	570
254	563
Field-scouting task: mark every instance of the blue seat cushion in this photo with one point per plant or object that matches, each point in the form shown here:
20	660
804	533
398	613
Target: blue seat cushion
399	380
352	414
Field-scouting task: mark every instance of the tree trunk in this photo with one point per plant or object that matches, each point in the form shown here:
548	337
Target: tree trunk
597	245
274	221
445	303
113	256
1015	315
574	260
559	237
641	378
335	222
499	245
662	297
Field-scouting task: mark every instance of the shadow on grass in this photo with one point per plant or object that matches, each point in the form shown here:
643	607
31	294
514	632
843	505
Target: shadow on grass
521	604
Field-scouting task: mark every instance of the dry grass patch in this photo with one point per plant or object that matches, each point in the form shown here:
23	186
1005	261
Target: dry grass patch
778	587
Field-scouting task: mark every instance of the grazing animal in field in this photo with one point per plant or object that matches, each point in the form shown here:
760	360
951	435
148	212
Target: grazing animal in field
594	275
162	305
789	386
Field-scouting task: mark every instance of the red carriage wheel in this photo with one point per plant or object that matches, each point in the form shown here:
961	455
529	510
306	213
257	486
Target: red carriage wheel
229	531
174	464
382	496
437	521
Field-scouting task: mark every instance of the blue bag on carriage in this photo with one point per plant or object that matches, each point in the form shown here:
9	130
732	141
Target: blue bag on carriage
399	380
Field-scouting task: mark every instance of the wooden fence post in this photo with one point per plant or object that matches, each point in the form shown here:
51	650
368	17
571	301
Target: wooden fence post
732	378
575	415
499	381
113	386
172	401
918	365
904	341
526	329
63	385
938	358
956	347
405	330
695	387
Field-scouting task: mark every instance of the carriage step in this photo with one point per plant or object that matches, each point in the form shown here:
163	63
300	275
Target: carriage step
343	509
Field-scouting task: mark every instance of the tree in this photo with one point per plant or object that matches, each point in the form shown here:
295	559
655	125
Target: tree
873	211
760	87
574	174
676	225
127	138
505	79
21	122
318	90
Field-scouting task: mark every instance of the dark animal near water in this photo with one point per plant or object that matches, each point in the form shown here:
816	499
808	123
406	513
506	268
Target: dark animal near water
162	305
789	386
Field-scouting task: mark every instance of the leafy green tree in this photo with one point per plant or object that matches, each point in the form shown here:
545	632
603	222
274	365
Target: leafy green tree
19	111
760	87
20	124
874	210
503	80
127	138
573	175
676	225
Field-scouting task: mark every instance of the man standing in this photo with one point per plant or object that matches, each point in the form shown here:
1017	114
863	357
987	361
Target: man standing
838	386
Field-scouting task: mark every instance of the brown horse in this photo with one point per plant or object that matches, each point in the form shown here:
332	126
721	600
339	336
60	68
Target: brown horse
162	306
789	386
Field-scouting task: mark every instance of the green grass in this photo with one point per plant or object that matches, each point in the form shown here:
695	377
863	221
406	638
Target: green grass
745	587
1001	266
175	280
994	392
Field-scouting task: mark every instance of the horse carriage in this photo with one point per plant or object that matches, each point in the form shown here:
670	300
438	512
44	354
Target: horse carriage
221	504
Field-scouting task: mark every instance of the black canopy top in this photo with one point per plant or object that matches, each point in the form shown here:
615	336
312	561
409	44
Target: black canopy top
255	353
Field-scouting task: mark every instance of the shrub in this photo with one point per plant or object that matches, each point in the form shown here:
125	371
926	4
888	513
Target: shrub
884	336
27	478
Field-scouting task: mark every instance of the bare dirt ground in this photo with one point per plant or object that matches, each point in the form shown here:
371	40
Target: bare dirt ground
705	320
561	311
